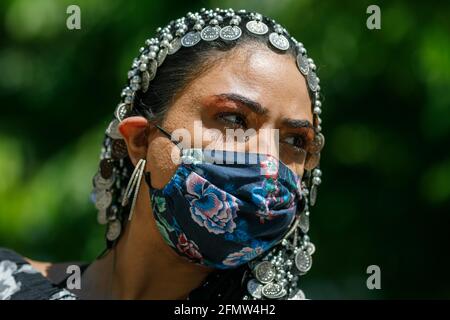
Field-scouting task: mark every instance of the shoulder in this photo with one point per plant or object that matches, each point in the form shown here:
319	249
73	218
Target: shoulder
54	272
22	278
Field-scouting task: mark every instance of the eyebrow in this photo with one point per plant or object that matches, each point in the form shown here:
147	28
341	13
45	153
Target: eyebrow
297	123
259	109
252	105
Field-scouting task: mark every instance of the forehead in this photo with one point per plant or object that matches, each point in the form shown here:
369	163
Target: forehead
262	75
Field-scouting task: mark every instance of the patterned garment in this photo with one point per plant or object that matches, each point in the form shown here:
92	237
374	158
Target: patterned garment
20	281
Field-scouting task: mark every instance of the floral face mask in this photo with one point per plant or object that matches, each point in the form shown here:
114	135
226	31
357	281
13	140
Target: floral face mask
222	209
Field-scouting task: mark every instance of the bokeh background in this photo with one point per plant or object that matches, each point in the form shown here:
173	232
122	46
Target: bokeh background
385	195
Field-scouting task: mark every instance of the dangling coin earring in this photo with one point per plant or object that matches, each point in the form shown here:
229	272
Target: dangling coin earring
134	183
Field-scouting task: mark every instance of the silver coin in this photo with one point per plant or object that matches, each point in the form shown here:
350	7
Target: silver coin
273	291
190	39
103	199
129	99
310	248
114	229
102	183
317	143
210	33
101	217
174	46
145	81
230	33
257	27
299	295
303	64
313	195
313	80
254	288
162	54
279	41
265	272
304	223
111	214
113	130
121	111
303	261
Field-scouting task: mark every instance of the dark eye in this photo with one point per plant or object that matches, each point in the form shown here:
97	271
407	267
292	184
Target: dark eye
235	120
297	142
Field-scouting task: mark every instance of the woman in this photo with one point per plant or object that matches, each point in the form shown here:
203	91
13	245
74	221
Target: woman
217	217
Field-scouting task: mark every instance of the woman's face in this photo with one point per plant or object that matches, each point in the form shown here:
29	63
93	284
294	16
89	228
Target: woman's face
250	88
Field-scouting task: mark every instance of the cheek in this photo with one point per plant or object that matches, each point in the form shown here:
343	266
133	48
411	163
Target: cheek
159	161
163	155
293	164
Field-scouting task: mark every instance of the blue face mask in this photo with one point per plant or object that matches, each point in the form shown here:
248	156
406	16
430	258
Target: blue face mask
222	209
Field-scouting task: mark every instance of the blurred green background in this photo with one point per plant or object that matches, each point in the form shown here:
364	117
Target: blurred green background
385	195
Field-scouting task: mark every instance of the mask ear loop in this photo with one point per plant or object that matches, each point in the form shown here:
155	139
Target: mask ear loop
168	135
147	175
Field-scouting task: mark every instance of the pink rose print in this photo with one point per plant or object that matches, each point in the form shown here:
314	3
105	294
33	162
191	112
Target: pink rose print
211	207
188	247
245	255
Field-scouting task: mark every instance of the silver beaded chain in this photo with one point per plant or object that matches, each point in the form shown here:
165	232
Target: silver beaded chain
276	274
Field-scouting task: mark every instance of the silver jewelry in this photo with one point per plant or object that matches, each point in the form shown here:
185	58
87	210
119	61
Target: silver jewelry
121	111
174	46
273	291
303	64
303	261
114	230
256	26
113	130
279	41
211	32
274	275
101	217
288	262
162	54
134	185
299	295
230	33
103	199
304	221
191	39
103	183
316	181
255	288
313	81
265	272
145	81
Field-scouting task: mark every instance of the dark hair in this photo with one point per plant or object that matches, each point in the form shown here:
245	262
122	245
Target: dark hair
172	77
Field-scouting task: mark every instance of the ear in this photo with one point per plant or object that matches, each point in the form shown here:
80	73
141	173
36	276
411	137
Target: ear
135	131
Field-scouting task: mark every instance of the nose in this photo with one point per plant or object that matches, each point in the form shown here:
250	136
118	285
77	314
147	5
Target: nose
267	141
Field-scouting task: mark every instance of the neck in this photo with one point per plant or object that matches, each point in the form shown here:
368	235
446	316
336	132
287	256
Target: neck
142	265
